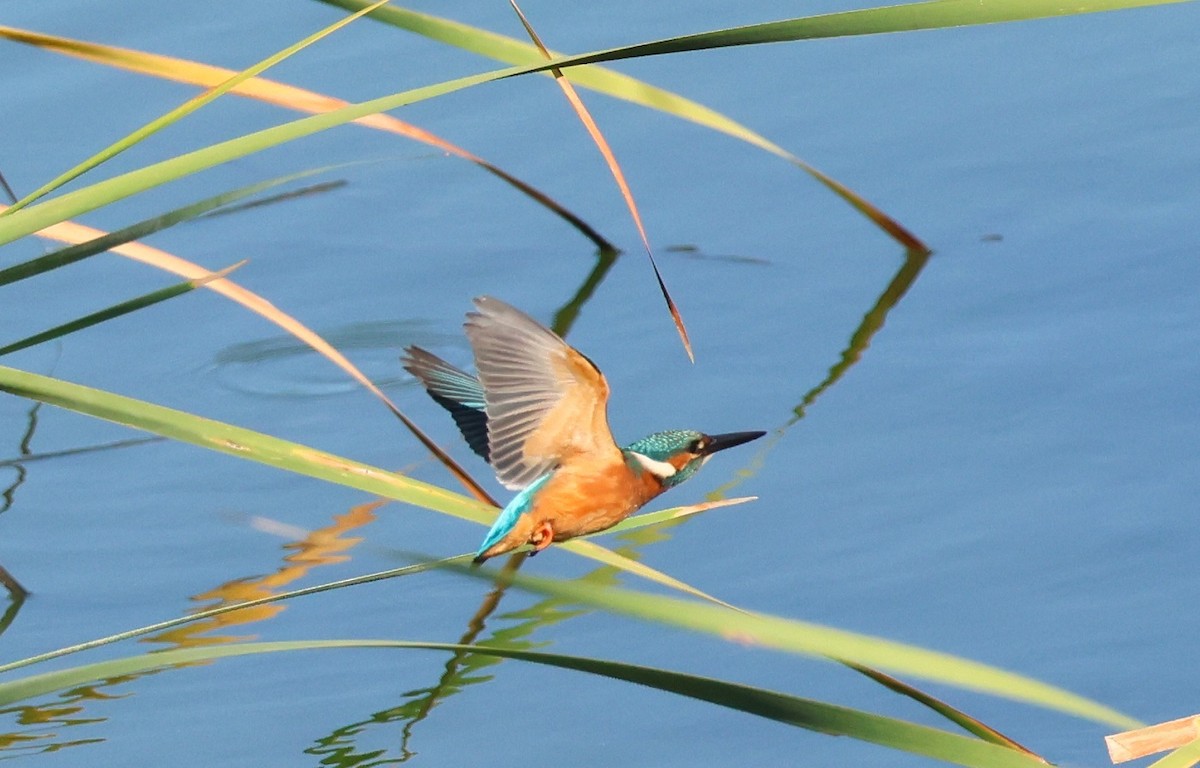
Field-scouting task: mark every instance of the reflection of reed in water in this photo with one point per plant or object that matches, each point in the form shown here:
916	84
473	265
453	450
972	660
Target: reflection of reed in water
325	546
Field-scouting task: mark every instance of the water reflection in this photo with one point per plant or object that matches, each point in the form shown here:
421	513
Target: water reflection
860	340
696	253
25	454
325	546
16	592
281	366
321	547
872	322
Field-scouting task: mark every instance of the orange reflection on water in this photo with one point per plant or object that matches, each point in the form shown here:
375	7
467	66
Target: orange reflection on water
325	546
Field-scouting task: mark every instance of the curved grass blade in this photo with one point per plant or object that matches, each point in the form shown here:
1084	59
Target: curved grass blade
93	239
185	109
255	446
118	310
273	527
805	713
33	218
286	96
579	546
969	724
932	14
779	633
905	17
85	247
243	443
512	51
675	513
71	204
614	167
1184	757
247	444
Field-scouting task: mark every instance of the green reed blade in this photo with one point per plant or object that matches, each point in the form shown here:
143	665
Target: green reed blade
781	707
182	111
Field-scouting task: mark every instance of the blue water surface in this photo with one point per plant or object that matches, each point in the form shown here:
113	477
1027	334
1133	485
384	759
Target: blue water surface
1006	470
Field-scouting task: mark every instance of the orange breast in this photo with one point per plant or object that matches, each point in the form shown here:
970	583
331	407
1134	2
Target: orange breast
585	499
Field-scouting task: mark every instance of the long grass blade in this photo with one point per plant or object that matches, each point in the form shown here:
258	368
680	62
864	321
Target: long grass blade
243	443
614	167
255	446
293	532
209	613
804	713
288	97
1184	757
71	204
115	311
969	724
512	51
905	17
933	14
36	217
71	232
185	109
83	247
779	633
580	546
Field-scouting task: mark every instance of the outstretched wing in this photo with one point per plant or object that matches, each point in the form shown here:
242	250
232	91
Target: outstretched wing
455	390
545	402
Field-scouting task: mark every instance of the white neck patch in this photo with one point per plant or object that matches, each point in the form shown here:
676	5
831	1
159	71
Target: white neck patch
659	469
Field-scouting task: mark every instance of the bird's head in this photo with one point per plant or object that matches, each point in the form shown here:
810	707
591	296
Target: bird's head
675	455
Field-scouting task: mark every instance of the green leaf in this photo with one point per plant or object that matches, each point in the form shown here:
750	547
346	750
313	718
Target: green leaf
301	459
781	707
183	110
95	318
75	253
1184	757
929	15
898	18
779	633
242	443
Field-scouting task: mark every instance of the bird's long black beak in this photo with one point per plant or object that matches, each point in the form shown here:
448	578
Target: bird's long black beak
728	440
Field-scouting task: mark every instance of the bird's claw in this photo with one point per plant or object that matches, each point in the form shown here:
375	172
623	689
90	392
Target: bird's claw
542	537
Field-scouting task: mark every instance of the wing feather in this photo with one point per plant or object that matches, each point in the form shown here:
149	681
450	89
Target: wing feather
457	391
545	402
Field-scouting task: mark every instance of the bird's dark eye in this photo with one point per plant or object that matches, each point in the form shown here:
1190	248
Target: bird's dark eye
697	445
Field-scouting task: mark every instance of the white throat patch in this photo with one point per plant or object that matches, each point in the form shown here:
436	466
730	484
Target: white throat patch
659	469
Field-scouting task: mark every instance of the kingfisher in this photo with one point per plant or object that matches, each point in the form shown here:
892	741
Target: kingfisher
538	413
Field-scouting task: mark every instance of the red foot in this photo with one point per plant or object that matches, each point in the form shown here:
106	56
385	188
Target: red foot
542	537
